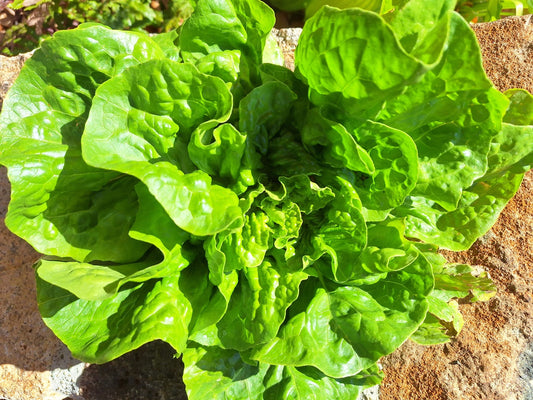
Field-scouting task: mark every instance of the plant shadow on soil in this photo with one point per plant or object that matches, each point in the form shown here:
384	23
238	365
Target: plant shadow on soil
150	372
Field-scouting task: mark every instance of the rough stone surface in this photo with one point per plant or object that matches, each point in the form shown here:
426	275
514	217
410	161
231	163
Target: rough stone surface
287	40
507	48
491	359
9	70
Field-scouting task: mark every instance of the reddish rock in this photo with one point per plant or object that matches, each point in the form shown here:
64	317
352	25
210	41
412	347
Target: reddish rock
507	48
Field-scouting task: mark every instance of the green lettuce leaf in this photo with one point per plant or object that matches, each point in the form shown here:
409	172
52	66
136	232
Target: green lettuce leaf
452	282
333	143
347	66
510	155
395	157
227	25
263	111
443	113
155	106
258	305
205	376
101	330
350	328
59	204
338	238
90	281
421	29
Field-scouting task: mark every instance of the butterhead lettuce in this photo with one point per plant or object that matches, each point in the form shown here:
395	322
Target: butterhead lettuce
278	229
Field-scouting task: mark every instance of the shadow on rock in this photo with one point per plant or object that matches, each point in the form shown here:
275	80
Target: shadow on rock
150	372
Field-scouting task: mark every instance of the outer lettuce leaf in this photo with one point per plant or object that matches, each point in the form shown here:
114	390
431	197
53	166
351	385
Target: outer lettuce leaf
99	331
433	331
377	6
415	24
444	319
445	91
476	213
459	280
155	106
206	376
323	47
314	5
153	225
163	312
239	26
210	308
310	383
352	59
520	111
59	204
215	373
452	115
511	149
350	328
227	25
168	42
510	155
89	281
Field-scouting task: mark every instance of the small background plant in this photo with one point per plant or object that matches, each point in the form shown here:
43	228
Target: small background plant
471	10
491	10
24	23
